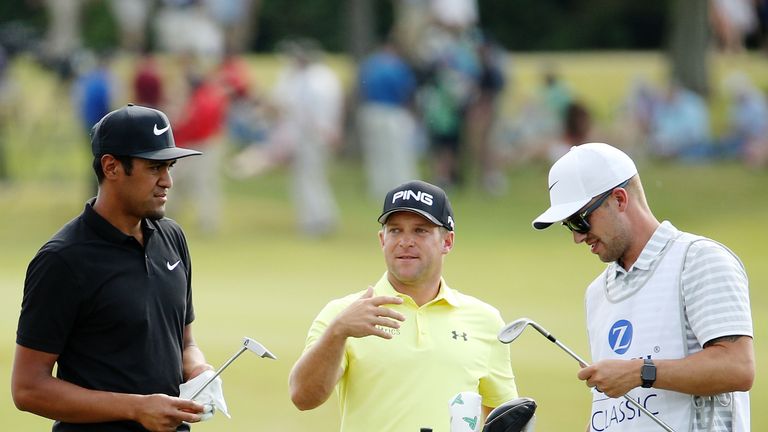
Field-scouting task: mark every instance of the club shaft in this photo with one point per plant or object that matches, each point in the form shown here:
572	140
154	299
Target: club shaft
645	411
581	361
218	372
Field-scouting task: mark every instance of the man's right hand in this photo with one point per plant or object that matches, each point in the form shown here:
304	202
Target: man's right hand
163	413
366	315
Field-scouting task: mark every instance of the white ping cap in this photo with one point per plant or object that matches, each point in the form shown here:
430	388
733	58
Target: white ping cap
583	173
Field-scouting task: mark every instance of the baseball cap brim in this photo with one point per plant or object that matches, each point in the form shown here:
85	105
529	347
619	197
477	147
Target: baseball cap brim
165	154
422	213
558	213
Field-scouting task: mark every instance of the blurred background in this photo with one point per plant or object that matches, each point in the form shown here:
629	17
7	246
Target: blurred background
308	111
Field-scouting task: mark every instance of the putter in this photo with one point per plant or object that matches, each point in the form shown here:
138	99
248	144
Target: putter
513	330
248	345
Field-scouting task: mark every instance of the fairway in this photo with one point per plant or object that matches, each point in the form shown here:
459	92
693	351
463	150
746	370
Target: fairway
259	278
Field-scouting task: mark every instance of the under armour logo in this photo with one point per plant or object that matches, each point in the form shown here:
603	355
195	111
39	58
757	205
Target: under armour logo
456	335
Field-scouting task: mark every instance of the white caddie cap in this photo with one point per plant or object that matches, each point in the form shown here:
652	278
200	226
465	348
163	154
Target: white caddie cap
583	173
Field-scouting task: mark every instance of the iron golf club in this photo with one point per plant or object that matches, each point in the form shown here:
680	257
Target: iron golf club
248	345
513	330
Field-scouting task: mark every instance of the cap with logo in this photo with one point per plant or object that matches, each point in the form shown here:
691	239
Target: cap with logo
136	131
583	173
420	197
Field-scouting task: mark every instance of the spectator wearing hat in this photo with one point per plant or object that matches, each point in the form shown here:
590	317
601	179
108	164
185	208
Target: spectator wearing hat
410	340
669	318
108	299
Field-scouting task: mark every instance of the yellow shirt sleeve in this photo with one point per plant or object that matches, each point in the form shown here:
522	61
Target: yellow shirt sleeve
324	319
499	386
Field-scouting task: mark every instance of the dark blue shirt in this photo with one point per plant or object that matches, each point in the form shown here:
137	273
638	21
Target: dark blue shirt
385	78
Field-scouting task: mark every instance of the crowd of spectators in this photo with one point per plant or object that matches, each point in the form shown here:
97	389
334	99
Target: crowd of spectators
425	103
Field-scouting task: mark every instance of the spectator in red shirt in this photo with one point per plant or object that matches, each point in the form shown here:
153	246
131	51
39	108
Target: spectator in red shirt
199	127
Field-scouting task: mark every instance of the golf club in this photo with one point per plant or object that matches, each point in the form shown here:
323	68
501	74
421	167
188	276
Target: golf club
248	345
513	330
516	415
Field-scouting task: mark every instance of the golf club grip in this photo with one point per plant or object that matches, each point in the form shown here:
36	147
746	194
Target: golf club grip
200	390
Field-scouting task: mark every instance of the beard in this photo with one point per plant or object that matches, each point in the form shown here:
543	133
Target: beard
155	214
614	248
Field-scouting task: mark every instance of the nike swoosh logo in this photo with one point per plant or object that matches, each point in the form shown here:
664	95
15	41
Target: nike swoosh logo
159	132
172	266
553	184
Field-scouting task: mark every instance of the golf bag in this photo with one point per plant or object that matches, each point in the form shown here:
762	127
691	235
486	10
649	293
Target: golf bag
516	415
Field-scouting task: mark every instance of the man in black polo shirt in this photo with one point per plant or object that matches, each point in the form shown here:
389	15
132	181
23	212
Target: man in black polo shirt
108	299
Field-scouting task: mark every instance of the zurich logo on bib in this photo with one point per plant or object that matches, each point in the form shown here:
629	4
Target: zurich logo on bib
620	336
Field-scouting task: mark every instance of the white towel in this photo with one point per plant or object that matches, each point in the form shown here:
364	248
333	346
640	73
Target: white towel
212	396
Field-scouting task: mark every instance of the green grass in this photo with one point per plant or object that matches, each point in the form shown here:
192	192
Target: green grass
259	278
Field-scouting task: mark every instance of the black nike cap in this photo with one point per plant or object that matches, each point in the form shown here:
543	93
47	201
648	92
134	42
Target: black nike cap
136	131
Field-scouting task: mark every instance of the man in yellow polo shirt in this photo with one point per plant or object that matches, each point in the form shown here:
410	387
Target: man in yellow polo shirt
398	351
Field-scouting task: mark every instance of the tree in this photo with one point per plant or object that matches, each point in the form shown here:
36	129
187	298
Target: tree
361	28
689	43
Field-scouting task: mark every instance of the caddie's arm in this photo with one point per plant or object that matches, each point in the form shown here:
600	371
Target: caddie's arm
724	365
317	371
727	361
36	390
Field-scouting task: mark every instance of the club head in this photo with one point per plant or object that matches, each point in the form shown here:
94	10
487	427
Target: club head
516	415
257	348
513	330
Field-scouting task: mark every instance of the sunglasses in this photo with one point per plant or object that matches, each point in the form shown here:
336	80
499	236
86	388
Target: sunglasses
578	223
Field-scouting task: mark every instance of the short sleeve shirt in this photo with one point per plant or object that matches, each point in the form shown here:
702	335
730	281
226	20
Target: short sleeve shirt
113	311
444	347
